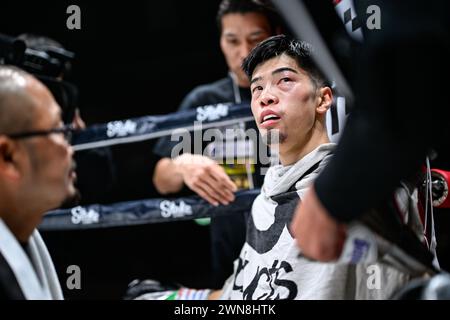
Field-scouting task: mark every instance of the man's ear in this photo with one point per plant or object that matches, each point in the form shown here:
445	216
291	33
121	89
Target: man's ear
325	100
8	159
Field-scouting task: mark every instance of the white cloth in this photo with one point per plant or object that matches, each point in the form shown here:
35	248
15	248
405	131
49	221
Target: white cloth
37	277
269	266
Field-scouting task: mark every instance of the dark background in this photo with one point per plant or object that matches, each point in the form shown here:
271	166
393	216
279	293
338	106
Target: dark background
137	58
132	58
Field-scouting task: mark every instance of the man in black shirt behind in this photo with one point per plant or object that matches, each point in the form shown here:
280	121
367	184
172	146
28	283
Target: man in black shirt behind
242	24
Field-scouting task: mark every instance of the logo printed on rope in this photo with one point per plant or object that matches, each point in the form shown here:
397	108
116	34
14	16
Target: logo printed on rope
82	216
171	209
212	113
121	128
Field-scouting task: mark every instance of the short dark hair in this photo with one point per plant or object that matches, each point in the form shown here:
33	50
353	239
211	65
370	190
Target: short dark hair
263	7
300	51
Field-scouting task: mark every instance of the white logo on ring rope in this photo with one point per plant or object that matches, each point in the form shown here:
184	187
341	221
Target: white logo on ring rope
213	112
82	216
171	209
120	128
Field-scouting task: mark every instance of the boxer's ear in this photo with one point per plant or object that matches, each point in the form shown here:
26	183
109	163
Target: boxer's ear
325	97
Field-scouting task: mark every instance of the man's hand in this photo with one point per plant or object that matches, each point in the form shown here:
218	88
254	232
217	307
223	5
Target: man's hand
206	178
215	295
318	235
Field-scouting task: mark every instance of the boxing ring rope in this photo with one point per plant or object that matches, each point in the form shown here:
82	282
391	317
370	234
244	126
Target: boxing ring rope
156	210
151	127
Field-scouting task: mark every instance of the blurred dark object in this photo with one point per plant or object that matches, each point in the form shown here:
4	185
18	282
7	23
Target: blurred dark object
109	259
12	50
65	93
149	287
49	63
44	60
96	176
435	288
440	182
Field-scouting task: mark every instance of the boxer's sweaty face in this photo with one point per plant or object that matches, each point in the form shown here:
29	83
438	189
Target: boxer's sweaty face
284	99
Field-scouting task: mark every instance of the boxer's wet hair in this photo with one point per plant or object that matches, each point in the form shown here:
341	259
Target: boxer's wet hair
263	7
275	46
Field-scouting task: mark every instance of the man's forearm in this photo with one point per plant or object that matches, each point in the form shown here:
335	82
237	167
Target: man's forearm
396	120
167	178
215	295
374	154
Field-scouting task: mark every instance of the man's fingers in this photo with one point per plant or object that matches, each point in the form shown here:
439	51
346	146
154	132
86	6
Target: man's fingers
325	253
342	236
209	181
216	188
316	251
320	248
219	174
318	235
202	193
